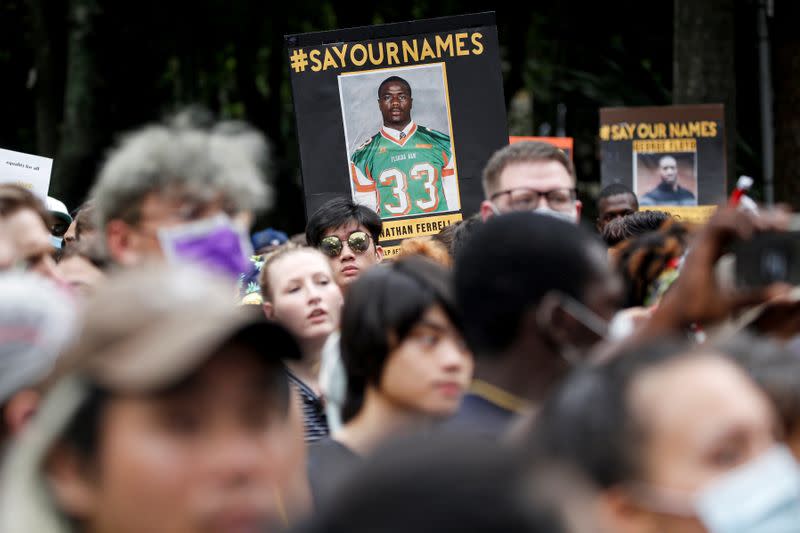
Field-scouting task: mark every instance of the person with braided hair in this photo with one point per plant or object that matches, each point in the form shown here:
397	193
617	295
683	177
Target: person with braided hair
633	224
650	262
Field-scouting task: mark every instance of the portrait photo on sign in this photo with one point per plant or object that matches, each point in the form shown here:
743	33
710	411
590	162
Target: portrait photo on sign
665	178
399	140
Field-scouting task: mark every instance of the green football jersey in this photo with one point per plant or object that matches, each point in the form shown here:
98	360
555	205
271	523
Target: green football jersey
405	175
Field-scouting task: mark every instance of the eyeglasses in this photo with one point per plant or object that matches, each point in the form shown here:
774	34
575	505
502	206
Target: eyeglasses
524	198
358	241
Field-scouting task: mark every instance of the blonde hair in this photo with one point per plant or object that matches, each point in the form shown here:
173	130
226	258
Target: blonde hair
280	252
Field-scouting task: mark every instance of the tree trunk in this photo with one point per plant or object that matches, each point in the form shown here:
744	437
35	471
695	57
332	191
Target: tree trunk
517	52
48	85
703	62
786	73
73	169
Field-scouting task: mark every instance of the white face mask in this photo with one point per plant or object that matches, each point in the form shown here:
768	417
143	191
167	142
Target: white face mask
622	326
591	320
762	496
574	355
567	216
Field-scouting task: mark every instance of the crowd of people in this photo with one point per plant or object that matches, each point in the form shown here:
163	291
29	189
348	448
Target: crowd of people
522	371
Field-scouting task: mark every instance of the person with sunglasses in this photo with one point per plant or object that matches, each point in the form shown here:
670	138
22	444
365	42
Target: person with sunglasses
530	176
182	190
347	233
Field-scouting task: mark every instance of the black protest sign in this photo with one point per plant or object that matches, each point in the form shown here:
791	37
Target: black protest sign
402	117
669	156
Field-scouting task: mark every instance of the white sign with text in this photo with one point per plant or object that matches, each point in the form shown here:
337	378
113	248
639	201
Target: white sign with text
26	170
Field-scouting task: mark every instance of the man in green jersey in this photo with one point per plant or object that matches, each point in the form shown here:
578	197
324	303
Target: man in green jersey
405	168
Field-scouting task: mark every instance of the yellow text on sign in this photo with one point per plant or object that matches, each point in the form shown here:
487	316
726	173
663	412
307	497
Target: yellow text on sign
417	227
694	214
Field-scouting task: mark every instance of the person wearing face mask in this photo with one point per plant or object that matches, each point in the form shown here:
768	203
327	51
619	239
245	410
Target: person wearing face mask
677	439
61	221
530	176
776	369
537	294
182	193
299	292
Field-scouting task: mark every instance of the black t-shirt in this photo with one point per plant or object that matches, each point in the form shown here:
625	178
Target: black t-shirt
329	464
663	194
479	416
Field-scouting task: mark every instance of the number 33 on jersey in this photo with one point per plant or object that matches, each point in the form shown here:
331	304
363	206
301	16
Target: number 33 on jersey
410	176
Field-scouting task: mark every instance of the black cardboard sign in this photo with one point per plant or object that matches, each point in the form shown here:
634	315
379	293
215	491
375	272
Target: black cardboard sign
669	156
421	176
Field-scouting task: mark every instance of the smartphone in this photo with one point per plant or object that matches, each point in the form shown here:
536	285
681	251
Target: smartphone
768	257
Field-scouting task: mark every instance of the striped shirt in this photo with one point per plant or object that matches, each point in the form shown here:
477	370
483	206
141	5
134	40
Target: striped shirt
314	420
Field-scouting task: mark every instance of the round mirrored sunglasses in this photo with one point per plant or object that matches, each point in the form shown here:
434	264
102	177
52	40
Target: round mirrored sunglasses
332	246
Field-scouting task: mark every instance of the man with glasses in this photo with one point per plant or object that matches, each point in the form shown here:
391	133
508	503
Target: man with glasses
530	176
348	234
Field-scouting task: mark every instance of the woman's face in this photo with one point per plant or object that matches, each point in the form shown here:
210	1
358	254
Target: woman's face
305	298
430	369
702	417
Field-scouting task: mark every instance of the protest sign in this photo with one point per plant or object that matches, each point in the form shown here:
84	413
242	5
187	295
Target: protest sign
29	171
401	117
672	156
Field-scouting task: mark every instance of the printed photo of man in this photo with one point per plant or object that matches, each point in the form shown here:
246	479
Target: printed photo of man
405	168
668	191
